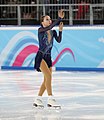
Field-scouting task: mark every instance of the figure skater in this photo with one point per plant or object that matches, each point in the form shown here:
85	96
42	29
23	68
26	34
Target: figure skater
43	60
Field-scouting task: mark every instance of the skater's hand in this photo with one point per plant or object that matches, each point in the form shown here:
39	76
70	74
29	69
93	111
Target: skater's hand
61	26
61	13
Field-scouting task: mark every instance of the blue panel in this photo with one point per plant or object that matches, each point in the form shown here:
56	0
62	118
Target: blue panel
82	48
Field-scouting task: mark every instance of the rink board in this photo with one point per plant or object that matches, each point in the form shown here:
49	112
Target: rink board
82	48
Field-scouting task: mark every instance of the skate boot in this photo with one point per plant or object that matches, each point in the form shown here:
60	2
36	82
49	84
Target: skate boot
53	104
38	102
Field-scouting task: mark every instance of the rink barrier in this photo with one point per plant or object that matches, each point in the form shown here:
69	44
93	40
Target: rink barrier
16	68
81	50
79	69
55	69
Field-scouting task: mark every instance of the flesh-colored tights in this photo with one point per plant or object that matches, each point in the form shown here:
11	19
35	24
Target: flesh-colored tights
46	85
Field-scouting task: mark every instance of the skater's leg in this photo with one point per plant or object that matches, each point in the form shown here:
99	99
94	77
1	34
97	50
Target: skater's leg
43	86
48	75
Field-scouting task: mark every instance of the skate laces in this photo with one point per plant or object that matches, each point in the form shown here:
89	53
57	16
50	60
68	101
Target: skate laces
39	100
52	102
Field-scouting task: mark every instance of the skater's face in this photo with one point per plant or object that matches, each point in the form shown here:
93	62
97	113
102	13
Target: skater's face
46	21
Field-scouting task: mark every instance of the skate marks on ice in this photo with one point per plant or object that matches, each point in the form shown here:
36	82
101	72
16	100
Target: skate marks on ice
81	95
47	114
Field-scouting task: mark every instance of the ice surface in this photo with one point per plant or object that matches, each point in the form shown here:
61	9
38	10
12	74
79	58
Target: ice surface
81	95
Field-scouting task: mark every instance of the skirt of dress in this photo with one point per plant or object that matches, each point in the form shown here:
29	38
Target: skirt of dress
38	59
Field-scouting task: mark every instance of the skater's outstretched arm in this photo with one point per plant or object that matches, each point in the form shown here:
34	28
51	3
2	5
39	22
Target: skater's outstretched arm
60	15
59	38
43	29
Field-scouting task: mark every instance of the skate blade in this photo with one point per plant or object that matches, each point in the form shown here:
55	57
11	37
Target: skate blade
54	107
38	106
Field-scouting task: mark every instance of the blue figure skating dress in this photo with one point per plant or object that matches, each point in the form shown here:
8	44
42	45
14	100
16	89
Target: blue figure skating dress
45	46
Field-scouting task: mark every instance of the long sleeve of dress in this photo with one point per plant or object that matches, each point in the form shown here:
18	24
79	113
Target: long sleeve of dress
43	29
58	38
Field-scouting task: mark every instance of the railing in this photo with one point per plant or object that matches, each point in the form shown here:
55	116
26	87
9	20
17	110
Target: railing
73	12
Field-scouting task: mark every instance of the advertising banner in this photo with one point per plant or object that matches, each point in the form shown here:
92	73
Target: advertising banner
81	47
